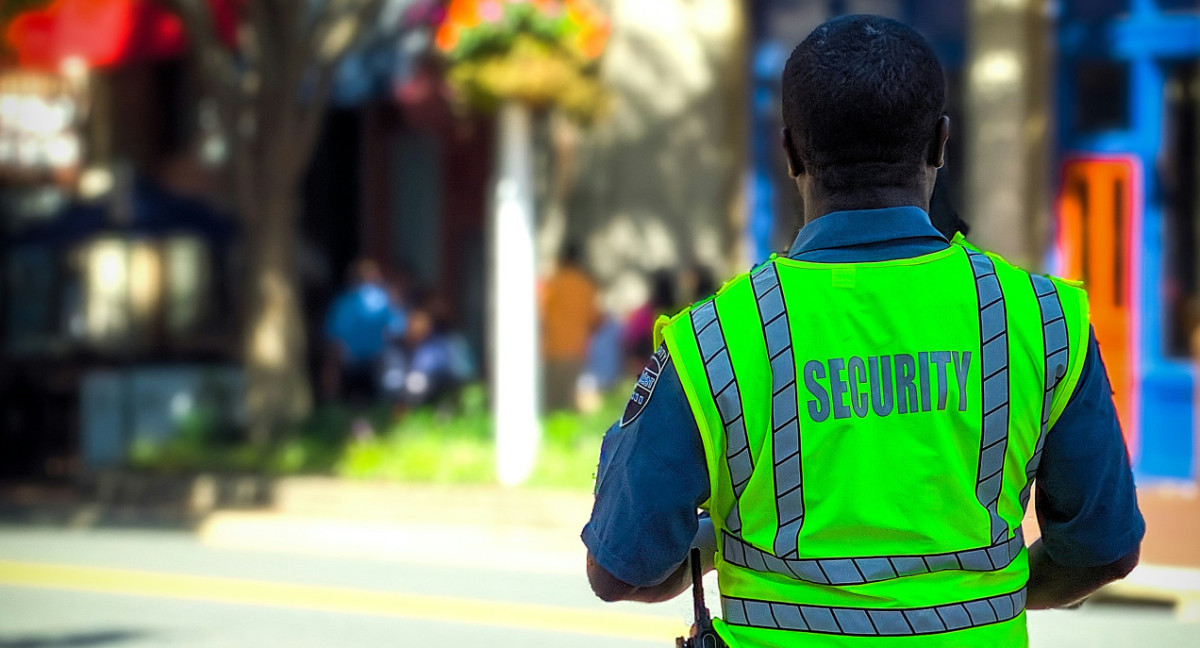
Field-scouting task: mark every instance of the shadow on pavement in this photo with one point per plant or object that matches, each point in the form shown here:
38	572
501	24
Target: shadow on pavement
127	499
79	640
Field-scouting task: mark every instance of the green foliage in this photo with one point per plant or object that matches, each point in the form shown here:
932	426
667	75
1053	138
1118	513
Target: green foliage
426	446
534	73
182	454
571	444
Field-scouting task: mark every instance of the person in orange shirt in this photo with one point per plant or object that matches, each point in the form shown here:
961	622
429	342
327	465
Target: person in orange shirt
569	315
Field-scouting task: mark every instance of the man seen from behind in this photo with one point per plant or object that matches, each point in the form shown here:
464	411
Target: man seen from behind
862	419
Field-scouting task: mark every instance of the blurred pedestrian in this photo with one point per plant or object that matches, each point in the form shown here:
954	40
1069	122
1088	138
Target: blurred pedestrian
569	316
603	367
637	335
357	328
864	417
438	360
697	283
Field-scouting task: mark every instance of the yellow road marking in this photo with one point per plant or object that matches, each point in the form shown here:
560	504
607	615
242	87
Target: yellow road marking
340	599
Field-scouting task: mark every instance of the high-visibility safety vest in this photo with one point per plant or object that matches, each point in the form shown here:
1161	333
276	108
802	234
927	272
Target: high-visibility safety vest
871	432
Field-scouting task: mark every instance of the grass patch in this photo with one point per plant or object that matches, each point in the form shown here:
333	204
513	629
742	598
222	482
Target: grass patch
437	446
433	447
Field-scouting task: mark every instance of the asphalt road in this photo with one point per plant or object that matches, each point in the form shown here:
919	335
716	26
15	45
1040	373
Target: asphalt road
121	588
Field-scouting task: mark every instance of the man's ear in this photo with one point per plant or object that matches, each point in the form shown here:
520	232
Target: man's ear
795	166
936	157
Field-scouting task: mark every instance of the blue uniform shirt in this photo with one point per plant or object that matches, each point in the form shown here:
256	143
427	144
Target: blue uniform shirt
653	474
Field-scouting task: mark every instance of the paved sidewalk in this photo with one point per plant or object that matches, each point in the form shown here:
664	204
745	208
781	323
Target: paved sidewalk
532	530
1172	526
519	529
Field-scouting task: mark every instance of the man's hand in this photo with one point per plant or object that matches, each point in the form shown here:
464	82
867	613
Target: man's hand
1053	585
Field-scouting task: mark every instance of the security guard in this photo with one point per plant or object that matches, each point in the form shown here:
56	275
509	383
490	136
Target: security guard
864	417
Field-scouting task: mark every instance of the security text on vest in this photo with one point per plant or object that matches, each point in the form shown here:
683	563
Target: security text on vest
884	385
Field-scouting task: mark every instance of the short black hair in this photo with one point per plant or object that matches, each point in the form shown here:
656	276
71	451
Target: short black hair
862	96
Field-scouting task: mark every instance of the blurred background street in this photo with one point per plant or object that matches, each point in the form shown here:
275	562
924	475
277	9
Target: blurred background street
313	313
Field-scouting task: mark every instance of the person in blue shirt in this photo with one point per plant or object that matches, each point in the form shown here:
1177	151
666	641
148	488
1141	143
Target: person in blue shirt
653	477
358	328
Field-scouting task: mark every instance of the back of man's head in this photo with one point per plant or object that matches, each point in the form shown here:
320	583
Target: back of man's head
862	96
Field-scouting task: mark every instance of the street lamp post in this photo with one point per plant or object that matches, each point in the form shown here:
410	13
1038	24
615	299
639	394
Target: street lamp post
514	318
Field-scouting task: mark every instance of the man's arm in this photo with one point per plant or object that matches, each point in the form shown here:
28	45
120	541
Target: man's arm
651	480
610	588
1052	584
1086	501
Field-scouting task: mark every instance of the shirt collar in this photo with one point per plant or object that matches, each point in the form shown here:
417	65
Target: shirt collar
861	227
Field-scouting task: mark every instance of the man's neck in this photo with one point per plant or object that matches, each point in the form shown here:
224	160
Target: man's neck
818	204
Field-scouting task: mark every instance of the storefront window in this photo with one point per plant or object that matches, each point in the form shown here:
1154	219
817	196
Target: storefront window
1101	96
142	293
188	285
106	295
122	293
1181	205
39	124
32	324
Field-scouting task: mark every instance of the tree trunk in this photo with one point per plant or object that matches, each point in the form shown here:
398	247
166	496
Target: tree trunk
514	338
278	393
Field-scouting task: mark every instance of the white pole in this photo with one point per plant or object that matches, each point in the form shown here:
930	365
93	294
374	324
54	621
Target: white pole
514	304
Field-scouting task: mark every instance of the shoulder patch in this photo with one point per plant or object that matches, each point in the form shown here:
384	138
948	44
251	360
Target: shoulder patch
645	385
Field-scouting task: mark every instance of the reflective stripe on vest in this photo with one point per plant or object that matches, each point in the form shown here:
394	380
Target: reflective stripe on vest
993	327
871	622
784	560
1055	341
711	341
856	571
785	414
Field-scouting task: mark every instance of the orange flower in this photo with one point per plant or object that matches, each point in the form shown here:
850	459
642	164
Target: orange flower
588	37
463	13
460	15
447	37
592	27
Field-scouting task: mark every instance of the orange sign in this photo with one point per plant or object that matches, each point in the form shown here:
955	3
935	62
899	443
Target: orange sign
1099	210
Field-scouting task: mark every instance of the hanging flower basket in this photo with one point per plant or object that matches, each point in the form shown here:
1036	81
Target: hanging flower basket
541	53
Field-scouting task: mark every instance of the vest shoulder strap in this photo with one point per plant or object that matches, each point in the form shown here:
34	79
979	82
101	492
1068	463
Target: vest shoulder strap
1074	301
1064	307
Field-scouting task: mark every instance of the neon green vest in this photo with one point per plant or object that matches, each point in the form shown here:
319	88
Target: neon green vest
871	433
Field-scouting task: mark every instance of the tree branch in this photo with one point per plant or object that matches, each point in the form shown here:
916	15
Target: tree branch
340	27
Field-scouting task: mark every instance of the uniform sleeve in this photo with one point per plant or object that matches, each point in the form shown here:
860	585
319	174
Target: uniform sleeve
1086	500
651	479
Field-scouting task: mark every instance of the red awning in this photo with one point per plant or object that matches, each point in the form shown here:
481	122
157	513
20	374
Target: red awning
104	32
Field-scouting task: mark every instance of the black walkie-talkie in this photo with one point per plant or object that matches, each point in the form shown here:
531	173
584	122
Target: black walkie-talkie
703	635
